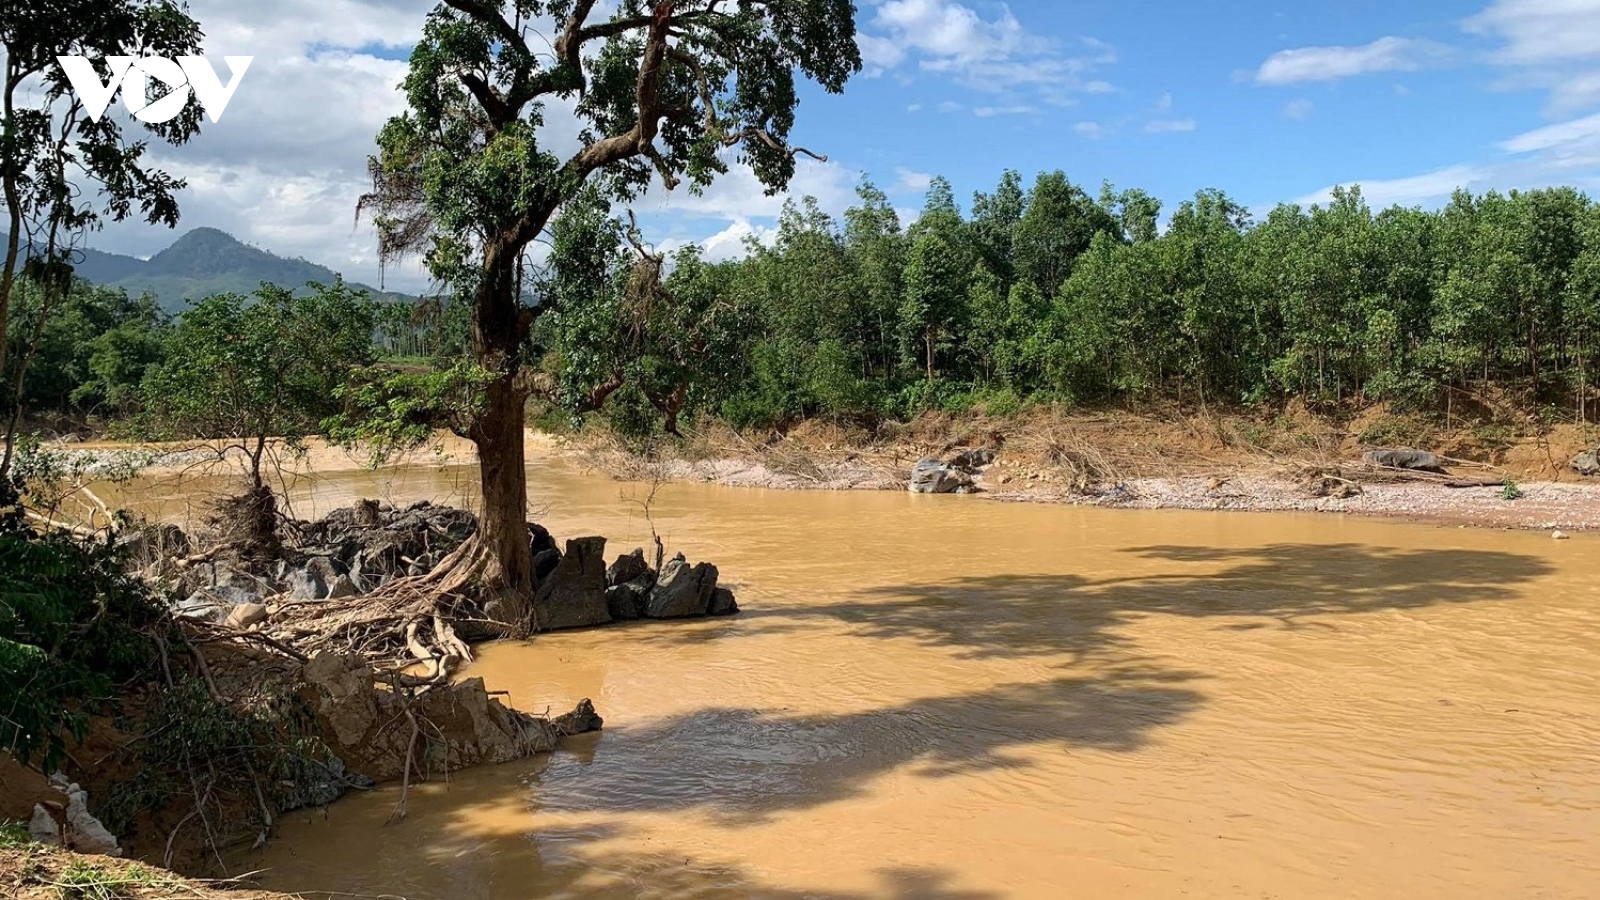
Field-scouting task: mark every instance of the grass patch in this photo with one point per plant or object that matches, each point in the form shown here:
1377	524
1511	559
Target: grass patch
14	835
84	880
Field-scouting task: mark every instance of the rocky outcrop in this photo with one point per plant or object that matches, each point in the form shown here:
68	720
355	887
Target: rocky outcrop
1587	464
573	595
368	728
1416	460
930	476
682	591
356	550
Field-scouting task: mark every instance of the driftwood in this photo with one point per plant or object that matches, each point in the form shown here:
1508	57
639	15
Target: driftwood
406	622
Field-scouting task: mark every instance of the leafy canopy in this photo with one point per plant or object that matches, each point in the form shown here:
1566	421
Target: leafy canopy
657	89
250	369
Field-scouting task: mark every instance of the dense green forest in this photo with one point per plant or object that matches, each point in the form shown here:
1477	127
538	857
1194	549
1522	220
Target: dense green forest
1045	294
1050	293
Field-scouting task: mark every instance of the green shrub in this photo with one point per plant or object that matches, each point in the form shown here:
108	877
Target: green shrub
73	626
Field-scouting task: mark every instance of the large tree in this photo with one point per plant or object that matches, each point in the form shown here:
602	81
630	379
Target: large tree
477	167
62	172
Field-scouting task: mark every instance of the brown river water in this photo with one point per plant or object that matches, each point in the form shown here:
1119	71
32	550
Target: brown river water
945	697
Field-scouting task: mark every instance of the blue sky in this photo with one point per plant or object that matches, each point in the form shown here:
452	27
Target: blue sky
1270	101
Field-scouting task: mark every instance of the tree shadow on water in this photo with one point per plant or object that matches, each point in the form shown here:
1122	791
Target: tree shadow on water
1282	585
744	765
747	764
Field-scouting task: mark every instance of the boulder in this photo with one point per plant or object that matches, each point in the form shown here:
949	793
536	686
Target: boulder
574	596
43	827
539	538
722	603
84	832
929	476
1418	460
1587	464
681	590
468	727
148	545
378	563
626	601
627	568
545	562
245	615
213	604
972	460
311	783
200	605
343	587
305	584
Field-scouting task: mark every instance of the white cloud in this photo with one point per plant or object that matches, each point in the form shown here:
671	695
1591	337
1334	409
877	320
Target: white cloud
915	107
1416	189
1091	130
729	243
1563	136
1164	103
739	195
1298	109
992	111
996	54
1168	126
1541	31
911	182
950	106
1548	44
285	166
1388	54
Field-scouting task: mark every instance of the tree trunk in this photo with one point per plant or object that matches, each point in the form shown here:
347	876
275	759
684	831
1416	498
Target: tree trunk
504	573
8	275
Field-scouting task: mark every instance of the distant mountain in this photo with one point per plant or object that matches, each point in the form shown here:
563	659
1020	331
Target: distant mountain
203	262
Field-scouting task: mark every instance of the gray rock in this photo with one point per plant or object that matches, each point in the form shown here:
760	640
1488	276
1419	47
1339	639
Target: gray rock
325	568
246	614
972	460
1419	460
627	568
310	783
545	562
539	538
929	476
153	543
304	584
682	590
1587	464
574	596
343	587
626	601
202	605
722	603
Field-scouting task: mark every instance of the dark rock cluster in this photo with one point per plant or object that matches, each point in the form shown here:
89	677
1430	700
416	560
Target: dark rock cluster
359	549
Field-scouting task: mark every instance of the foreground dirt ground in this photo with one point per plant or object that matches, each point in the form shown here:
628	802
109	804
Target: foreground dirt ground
34	872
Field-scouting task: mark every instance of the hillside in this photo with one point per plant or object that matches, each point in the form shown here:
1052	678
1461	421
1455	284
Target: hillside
203	262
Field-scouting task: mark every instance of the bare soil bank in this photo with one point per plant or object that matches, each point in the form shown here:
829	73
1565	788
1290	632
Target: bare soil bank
1292	462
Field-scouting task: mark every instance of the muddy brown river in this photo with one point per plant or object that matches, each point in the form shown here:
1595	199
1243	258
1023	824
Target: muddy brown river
944	697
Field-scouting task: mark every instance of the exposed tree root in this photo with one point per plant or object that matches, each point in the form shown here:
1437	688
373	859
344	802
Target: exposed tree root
420	619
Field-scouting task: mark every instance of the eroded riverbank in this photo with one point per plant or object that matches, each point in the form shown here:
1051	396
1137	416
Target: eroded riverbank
931	697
